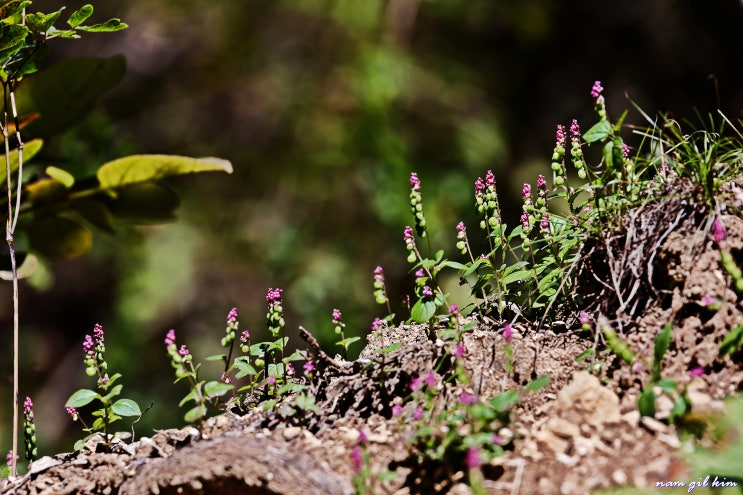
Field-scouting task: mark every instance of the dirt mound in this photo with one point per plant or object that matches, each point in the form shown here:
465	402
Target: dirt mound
580	432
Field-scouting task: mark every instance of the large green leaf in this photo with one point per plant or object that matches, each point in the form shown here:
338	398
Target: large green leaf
145	203
137	169
59	237
66	91
126	407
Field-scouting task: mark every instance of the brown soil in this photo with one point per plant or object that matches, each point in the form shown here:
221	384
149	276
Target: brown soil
580	433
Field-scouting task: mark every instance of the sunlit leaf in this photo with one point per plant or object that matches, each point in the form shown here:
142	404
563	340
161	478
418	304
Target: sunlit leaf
30	149
11	41
422	311
12	7
598	132
80	16
137	169
60	175
195	414
216	389
59	237
109	26
40	22
81	398
732	341
537	383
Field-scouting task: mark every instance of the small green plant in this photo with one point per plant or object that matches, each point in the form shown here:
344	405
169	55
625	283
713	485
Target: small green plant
111	408
268	371
647	401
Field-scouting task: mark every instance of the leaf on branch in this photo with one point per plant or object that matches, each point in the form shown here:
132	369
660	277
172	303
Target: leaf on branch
126	407
79	16
59	237
109	26
137	169
81	398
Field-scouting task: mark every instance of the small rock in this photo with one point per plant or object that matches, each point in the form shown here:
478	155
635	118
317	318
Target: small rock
43	464
291	432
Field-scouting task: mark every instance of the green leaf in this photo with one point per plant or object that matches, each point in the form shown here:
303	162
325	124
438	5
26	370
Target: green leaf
662	343
732	341
306	403
113	393
63	93
585	354
137	169
505	400
12	7
60	175
26	265
145	204
11	44
46	192
517	276
192	395
195	414
79	16
537	383
346	343
217	357
40	22
59	237
389	348
109	26
30	149
81	398
646	402
598	132
216	389
96	213
680	408
422	311
126	407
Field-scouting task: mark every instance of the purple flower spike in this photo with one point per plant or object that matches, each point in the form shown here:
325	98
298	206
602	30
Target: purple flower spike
337	315
461	227
232	316
28	408
396	410
467	399
490	178
183	351
719	231
526	191
98	332
479	186
170	337
274	295
574	130
427	292
357	459
508	332
376	324
245	337
473	458
415	183
596	90
698	371
560	135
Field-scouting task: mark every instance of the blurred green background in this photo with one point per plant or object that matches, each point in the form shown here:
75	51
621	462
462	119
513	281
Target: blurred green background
324	108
